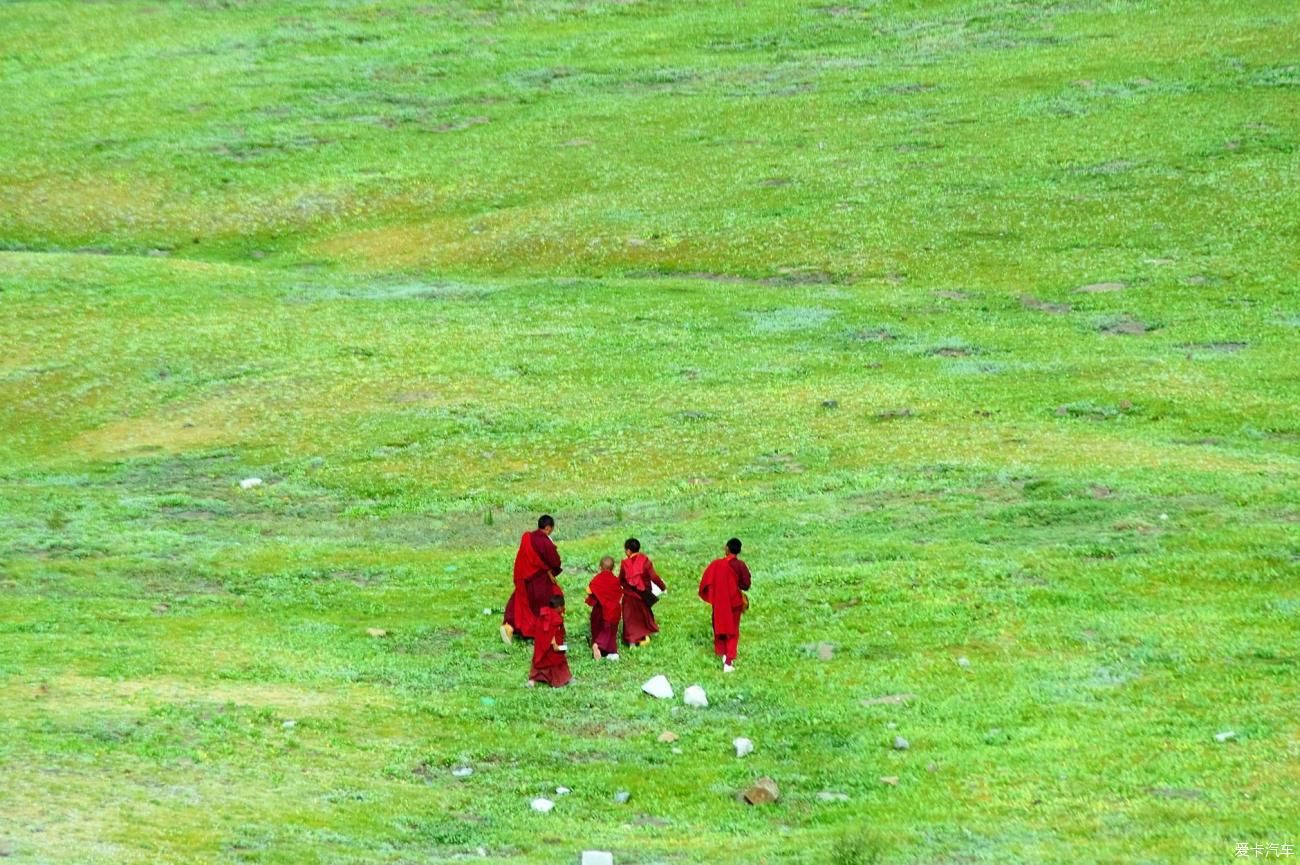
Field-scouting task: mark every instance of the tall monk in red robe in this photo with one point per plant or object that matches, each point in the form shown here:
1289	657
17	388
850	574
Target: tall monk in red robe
537	564
637	576
550	652
605	597
723	586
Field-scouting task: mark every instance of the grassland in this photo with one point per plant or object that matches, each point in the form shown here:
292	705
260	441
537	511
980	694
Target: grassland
977	321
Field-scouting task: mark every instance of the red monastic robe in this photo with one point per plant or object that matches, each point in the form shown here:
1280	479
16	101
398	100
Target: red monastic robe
537	563
721	586
606	600
636	575
550	666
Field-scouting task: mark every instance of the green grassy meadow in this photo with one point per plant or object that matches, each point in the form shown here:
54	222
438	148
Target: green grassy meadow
976	321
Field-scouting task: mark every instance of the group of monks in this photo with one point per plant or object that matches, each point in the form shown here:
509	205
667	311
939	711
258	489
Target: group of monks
535	610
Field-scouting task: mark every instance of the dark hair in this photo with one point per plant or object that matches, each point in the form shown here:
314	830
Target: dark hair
733	546
545	520
632	544
557	601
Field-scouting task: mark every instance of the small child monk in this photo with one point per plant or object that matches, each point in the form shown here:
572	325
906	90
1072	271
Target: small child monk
605	597
639	580
550	658
723	587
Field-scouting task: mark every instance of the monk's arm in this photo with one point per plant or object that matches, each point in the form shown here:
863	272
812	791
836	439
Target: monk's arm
549	555
743	577
654	576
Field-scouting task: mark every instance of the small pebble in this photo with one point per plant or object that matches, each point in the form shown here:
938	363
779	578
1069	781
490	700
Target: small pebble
901	744
1225	736
543	806
562	791
622	797
963	661
462	772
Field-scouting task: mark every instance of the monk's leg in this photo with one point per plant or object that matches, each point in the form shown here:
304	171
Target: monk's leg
635	629
539	590
508	624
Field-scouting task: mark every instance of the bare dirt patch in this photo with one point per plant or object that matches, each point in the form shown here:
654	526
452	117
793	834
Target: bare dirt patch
1047	306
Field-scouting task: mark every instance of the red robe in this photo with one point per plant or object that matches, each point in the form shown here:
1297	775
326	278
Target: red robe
636	574
606	601
550	666
721	586
537	563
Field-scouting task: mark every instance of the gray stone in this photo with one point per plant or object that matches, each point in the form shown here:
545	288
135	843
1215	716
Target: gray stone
901	744
1225	736
597	857
622	797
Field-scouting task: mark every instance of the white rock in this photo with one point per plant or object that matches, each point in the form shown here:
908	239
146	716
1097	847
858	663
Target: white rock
1225	736
597	857
562	791
543	806
249	483
462	772
659	687
743	746
487	611
289	725
963	661
695	696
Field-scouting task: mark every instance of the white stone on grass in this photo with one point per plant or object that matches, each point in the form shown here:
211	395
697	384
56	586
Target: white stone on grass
249	483
695	696
562	791
659	688
743	746
597	857
543	806
1225	736
462	772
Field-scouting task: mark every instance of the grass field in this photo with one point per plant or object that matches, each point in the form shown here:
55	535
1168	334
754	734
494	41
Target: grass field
977	321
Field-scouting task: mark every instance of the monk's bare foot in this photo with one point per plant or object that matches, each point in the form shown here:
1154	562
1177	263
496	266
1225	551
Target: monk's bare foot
507	634
595	651
644	642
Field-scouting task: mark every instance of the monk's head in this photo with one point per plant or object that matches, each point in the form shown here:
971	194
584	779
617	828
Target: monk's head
546	523
631	546
607	563
733	546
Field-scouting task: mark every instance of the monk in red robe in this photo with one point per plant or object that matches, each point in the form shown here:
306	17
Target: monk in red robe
550	652
605	597
537	564
637	576
723	587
